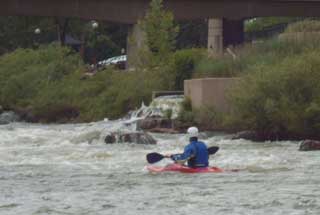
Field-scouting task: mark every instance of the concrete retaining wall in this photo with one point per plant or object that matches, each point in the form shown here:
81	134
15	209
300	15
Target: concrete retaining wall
211	92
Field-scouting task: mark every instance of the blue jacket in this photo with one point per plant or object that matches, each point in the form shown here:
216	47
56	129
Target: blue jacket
196	153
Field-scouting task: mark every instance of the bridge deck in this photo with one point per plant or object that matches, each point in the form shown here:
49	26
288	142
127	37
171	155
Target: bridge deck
128	11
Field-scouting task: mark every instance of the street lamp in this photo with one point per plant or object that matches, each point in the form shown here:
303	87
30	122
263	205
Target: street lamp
37	31
94	24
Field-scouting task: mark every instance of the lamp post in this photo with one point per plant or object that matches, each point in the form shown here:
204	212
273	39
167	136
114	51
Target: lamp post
92	24
37	32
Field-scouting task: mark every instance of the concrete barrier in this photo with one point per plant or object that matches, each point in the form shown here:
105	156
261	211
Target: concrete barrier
210	92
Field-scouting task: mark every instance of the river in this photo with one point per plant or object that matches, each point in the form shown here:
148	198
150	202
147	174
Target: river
64	169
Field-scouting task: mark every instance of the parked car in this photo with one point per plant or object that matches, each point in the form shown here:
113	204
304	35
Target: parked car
118	61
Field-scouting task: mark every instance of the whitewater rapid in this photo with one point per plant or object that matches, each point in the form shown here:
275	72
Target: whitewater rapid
68	169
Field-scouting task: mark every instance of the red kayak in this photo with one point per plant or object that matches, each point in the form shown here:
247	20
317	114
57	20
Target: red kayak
183	169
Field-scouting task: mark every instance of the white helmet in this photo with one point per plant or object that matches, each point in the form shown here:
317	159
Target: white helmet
193	132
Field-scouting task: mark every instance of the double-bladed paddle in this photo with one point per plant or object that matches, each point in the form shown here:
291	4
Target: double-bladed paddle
155	157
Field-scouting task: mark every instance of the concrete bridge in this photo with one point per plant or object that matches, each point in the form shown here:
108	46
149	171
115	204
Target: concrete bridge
225	25
128	11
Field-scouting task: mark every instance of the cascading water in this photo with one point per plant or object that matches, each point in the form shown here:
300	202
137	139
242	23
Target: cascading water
159	106
67	169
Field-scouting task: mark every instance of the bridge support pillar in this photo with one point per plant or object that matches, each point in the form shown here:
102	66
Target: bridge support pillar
223	33
136	40
215	37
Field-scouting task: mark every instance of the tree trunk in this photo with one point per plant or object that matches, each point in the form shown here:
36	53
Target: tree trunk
62	26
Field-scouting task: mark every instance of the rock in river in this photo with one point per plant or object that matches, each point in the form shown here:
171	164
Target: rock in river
8	117
131	137
154	122
309	145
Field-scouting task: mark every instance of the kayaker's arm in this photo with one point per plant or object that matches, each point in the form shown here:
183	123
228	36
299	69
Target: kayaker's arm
182	158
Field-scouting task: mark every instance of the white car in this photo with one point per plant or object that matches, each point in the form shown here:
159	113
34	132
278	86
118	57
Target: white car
122	59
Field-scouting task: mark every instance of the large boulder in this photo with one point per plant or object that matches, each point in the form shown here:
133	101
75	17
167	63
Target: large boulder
130	137
309	145
8	117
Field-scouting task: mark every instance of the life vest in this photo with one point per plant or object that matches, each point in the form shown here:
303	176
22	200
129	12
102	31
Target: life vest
196	153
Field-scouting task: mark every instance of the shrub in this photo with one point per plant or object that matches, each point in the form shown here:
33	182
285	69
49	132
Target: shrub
217	67
168	113
250	56
304	26
25	72
208	118
183	65
186	115
282	98
260	23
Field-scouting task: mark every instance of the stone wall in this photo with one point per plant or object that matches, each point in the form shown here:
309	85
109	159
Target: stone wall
211	92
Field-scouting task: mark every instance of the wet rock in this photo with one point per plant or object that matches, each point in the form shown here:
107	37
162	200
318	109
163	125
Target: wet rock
1	109
8	117
151	123
132	137
309	145
139	138
164	130
248	135
110	139
26	115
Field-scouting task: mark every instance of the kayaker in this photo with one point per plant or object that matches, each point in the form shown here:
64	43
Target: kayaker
195	153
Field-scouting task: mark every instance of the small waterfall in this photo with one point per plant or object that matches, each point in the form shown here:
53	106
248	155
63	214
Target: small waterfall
158	107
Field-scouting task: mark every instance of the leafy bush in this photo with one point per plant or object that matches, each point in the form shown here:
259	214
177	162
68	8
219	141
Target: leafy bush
304	26
260	23
25	72
209	118
183	65
249	56
217	67
168	113
282	98
186	115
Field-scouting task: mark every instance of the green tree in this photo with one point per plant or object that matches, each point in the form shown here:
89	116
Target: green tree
156	56
160	29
